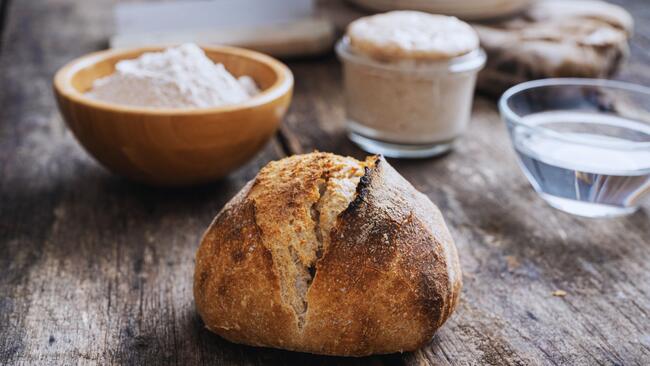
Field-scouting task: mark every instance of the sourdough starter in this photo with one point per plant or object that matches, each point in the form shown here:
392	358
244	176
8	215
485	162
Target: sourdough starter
409	78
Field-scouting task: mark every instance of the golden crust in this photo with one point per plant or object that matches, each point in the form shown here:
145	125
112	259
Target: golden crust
381	280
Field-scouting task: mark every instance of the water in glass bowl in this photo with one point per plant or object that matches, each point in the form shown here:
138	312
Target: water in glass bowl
585	165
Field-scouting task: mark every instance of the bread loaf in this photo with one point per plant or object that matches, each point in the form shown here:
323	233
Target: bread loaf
326	254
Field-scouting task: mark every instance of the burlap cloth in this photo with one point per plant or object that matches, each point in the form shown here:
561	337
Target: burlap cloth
554	38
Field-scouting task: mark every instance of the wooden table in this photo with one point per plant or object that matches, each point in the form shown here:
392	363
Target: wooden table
97	270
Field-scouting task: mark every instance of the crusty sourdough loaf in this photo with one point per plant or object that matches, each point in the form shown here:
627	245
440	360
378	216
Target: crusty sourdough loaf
326	254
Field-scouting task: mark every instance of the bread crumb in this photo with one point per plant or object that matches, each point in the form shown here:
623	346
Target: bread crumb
559	293
512	263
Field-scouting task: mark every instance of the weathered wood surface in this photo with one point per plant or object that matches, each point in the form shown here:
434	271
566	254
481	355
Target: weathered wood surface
97	270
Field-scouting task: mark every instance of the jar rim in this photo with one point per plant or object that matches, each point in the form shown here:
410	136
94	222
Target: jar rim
472	61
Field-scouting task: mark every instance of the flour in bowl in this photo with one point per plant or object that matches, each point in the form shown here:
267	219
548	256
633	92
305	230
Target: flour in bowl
178	77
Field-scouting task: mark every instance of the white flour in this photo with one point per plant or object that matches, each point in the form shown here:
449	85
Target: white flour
179	77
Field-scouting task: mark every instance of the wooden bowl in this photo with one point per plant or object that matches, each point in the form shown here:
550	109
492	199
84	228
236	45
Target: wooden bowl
174	146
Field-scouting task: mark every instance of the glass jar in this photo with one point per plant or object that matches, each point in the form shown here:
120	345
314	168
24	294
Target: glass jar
407	109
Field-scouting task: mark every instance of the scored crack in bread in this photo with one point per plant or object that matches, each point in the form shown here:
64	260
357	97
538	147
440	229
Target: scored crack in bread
294	229
327	254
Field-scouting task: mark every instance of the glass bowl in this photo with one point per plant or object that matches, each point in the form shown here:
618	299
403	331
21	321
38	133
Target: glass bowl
584	144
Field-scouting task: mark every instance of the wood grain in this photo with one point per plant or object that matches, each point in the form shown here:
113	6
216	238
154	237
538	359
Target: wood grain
97	270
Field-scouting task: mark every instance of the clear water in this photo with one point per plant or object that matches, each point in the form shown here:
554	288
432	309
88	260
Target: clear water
595	177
